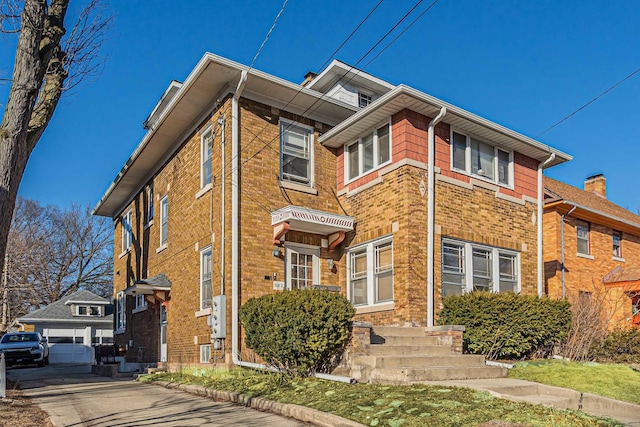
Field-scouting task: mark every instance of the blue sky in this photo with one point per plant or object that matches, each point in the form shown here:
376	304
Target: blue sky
523	64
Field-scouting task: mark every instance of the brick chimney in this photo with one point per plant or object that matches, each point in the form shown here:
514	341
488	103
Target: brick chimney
596	184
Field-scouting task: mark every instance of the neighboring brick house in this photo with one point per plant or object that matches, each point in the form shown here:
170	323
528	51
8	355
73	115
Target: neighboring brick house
599	242
247	184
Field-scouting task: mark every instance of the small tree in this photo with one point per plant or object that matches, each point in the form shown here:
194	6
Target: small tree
300	331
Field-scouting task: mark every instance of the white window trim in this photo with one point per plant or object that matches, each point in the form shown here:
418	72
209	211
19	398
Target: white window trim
202	252
202	353
121	313
285	124
588	226
150	203
467	160
127	235
619	234
468	248
371	272
359	141
88	307
203	135
139	307
314	251
164	213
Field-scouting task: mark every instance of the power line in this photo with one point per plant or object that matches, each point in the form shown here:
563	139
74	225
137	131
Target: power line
273	26
589	103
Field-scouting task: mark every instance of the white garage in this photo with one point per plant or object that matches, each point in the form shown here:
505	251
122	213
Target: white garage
73	326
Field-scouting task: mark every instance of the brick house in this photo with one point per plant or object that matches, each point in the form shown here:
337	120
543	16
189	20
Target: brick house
247	184
598	242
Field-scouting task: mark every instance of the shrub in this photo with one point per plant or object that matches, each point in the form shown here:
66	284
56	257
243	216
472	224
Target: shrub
620	346
507	325
300	331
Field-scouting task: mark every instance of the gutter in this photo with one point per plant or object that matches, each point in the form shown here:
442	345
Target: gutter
540	212
430	214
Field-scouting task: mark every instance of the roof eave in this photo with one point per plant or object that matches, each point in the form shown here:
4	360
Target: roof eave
567	205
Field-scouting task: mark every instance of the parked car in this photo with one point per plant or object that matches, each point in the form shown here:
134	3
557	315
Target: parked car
24	348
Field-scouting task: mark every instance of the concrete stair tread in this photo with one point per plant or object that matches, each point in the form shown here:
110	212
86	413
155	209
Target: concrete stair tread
436	373
420	361
406	350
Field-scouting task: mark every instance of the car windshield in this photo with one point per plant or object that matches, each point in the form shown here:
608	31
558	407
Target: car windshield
19	338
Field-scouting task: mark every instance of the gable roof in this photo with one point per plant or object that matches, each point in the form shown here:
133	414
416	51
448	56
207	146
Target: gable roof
60	311
589	206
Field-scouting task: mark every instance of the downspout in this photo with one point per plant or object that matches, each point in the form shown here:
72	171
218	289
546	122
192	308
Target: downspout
540	201
222	121
562	248
430	213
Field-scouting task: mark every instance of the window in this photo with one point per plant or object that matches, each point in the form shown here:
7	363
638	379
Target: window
363	99
476	157
164	219
120	315
140	302
371	273
92	310
368	152
206	148
205	278
296	142
617	244
127	232
303	270
205	353
149	203
470	267
582	234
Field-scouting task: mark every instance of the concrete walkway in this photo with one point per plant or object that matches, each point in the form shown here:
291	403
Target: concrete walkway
536	393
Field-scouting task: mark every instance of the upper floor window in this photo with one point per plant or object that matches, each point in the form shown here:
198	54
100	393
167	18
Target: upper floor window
140	302
296	153
476	157
470	267
87	310
368	152
205	278
617	244
127	231
120	314
150	203
164	220
206	149
370	273
582	234
364	99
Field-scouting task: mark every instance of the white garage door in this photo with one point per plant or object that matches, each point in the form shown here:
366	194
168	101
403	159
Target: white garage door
67	345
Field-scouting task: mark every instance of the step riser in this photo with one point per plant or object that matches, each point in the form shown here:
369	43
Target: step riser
395	331
437	374
404	350
409	341
418	361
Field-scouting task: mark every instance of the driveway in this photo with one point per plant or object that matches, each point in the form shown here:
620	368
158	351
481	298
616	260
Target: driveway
72	396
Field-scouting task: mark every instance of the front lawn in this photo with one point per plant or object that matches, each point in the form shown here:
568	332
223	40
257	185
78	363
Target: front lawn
377	405
615	381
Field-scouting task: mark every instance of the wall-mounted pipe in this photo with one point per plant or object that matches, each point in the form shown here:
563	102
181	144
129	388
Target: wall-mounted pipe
562	248
222	122
431	212
539	223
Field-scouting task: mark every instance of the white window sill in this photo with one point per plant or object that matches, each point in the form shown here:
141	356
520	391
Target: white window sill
118	332
298	187
584	256
148	224
616	258
203	190
483	182
139	309
124	253
161	248
377	307
203	312
355	178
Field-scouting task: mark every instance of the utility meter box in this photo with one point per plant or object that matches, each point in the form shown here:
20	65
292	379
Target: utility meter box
219	317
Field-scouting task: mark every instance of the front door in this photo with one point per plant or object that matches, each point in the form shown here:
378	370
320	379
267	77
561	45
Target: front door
163	333
303	269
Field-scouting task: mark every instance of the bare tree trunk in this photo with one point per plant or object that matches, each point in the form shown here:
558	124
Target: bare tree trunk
5	296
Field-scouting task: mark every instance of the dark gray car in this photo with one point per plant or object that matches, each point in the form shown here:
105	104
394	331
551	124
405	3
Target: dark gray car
24	348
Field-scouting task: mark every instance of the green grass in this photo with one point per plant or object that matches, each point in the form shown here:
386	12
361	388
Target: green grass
377	405
616	381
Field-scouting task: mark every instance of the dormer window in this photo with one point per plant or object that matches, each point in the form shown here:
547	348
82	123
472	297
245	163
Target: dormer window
475	157
363	99
87	310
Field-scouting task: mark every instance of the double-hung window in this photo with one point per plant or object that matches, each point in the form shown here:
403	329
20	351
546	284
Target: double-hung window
150	203
205	278
127	231
205	353
371	273
369	152
120	312
475	157
582	235
617	244
164	220
140	302
206	150
296	153
470	267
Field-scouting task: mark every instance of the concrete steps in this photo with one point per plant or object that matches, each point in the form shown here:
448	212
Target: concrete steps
436	373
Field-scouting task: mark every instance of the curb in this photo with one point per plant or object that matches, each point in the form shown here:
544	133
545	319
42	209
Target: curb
298	412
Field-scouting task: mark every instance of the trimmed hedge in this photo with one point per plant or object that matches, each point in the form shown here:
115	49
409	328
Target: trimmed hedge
620	346
299	331
507	325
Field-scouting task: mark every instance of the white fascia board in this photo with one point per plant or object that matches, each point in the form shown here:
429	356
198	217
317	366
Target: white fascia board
602	214
339	67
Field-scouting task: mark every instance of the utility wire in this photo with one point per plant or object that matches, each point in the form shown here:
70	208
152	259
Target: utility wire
273	26
589	103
